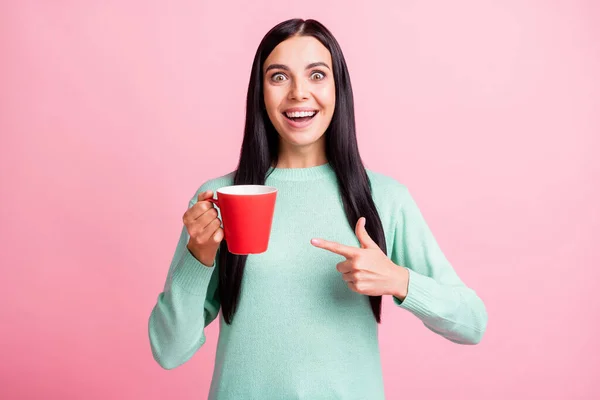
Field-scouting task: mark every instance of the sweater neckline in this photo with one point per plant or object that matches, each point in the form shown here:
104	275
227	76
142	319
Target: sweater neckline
301	174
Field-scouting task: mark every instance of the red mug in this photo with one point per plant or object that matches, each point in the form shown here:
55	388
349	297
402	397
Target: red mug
247	216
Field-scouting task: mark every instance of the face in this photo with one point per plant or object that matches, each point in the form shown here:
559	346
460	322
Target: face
299	91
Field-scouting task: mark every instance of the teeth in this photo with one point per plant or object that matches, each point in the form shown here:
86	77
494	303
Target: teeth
298	114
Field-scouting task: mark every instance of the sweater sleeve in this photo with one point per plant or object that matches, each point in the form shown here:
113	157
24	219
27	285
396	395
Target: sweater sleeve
436	295
187	304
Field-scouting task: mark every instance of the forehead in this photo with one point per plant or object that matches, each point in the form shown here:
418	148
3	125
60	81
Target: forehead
298	51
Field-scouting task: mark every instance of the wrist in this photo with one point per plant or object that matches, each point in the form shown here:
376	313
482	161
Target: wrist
401	283
200	257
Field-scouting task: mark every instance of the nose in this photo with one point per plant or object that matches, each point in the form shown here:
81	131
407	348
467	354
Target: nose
298	90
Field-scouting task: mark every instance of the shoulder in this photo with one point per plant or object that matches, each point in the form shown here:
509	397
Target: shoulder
213	184
386	185
389	195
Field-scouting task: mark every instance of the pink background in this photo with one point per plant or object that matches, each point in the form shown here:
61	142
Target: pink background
112	114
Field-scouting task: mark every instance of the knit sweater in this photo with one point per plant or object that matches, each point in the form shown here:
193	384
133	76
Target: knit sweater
299	331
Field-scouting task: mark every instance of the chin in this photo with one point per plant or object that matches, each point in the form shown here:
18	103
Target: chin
300	142
301	138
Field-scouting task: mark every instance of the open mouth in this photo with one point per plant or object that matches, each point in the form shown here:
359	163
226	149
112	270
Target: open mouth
300	117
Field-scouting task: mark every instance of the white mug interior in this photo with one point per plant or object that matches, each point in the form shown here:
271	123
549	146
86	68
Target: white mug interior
246	189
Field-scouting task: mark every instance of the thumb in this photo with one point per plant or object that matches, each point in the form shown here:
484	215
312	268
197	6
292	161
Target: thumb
205	195
362	235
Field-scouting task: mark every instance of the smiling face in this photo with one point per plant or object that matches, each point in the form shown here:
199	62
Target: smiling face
299	92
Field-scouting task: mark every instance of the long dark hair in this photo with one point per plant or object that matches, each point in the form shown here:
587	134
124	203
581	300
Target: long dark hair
260	149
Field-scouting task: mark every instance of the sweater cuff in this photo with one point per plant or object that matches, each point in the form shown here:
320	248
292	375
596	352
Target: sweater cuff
191	274
420	294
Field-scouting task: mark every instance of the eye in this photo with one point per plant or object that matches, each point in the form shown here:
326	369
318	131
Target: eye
319	75
276	77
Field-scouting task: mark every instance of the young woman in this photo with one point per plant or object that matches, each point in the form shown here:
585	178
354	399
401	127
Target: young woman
300	320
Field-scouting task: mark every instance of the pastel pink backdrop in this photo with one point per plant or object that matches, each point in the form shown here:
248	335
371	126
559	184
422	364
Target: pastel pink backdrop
113	113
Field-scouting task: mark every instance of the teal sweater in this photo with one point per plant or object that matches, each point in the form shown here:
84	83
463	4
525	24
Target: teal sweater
299	332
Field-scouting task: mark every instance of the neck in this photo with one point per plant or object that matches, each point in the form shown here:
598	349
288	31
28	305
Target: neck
299	163
299	159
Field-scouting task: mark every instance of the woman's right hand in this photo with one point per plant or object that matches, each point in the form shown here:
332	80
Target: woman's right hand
204	227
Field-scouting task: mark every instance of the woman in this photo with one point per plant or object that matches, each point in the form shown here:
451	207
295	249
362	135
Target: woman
300	320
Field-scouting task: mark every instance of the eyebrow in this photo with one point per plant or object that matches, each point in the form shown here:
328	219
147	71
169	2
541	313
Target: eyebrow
286	68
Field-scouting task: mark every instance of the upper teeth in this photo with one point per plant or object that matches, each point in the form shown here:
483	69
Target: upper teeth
298	114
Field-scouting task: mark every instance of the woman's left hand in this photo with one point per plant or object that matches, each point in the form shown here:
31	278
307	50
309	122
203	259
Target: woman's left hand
367	270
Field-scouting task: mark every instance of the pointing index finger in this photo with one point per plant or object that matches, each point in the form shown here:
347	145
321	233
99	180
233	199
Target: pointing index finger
335	247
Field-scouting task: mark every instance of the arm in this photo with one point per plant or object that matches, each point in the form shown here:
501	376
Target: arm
188	304
436	295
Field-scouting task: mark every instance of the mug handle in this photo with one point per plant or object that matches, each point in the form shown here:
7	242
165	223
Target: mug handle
216	203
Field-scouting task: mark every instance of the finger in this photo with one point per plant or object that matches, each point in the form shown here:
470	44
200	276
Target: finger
344	266
363	236
207	194
205	219
199	215
198	225
209	231
218	235
334	247
353	287
348	277
199	208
